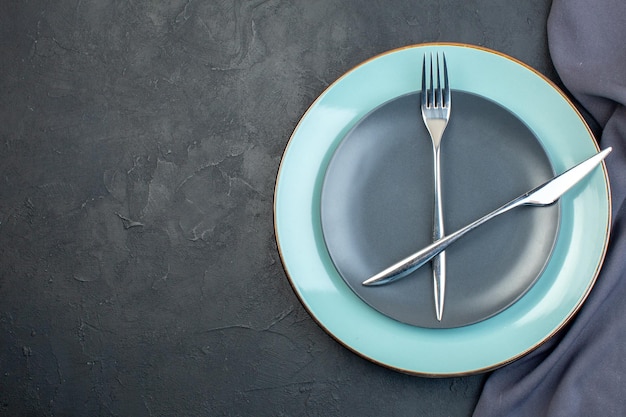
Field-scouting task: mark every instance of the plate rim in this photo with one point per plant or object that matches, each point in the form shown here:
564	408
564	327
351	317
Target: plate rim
562	321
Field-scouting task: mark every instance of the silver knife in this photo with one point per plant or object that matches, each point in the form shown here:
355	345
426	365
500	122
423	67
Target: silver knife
544	195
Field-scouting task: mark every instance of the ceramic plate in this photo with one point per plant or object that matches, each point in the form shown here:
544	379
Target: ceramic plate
377	205
558	292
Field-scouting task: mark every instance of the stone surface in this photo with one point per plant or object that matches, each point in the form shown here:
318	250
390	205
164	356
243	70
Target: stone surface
139	144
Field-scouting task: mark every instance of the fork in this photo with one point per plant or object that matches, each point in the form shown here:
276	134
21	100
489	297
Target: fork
436	114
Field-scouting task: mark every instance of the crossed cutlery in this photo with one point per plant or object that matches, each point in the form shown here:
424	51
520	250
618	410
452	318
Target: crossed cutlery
436	106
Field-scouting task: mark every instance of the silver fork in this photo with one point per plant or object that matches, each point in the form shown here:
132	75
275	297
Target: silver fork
436	113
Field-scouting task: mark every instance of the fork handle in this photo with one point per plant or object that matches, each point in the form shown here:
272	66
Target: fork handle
438	262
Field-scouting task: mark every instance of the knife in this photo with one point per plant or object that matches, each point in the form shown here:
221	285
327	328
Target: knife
543	195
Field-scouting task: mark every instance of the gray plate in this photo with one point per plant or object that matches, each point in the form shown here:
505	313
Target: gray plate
377	202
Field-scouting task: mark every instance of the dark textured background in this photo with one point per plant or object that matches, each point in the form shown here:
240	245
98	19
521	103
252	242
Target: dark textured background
139	146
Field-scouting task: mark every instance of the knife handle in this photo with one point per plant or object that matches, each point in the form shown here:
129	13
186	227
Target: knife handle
418	259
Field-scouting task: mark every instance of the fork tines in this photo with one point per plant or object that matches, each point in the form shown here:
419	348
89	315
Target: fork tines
435	96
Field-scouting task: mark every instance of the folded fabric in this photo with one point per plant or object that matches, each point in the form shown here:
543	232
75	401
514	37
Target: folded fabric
582	370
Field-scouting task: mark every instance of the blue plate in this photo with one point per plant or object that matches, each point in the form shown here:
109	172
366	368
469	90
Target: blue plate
558	293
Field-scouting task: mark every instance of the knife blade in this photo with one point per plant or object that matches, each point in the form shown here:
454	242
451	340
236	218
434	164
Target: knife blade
544	195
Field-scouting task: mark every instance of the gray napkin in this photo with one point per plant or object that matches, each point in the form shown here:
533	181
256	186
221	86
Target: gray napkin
582	371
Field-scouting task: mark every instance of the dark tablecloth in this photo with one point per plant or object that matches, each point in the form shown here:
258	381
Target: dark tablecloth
139	145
